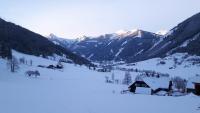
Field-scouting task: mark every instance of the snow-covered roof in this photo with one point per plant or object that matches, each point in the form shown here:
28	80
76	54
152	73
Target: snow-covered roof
190	85
155	83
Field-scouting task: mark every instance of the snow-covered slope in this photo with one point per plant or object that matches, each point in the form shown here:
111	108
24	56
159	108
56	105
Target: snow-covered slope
184	38
76	89
179	64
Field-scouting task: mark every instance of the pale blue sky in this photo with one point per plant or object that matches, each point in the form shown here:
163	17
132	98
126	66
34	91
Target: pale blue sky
72	18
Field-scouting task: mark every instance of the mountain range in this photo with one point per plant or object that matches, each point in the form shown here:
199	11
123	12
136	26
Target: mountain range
137	45
128	46
116	46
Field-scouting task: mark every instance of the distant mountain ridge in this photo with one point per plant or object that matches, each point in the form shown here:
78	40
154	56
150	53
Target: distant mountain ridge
137	45
23	40
116	46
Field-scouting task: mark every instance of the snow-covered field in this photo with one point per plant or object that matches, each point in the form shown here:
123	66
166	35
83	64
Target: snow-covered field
78	90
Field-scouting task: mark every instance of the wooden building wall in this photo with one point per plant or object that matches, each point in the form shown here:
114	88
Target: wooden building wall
197	88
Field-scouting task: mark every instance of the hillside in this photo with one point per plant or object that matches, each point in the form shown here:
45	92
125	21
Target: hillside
184	38
23	40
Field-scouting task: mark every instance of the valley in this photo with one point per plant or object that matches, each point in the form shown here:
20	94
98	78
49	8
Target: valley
78	87
128	71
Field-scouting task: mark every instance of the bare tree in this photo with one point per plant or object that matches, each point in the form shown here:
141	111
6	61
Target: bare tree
175	62
113	77
22	60
31	62
59	65
138	78
13	64
107	79
179	83
127	78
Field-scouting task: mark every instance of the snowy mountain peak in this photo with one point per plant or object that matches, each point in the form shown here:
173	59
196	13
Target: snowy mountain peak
125	33
162	32
121	32
134	30
52	36
60	41
81	38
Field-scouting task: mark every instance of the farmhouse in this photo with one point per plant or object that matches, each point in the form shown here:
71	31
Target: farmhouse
151	85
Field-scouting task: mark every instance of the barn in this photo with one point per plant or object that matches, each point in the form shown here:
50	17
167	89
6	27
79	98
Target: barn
151	85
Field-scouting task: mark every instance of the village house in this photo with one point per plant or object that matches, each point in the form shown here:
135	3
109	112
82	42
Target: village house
152	85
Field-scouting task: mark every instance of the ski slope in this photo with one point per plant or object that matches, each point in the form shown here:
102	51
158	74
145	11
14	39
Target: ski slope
76	89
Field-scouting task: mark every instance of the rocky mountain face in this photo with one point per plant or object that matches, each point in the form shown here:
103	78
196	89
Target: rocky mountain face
25	41
137	45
